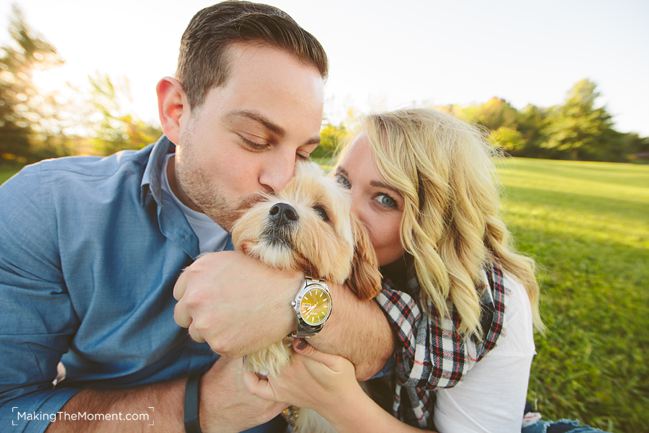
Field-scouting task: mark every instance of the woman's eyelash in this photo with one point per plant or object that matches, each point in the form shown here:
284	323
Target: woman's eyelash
341	179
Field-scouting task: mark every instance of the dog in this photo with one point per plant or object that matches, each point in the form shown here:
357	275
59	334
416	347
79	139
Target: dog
309	227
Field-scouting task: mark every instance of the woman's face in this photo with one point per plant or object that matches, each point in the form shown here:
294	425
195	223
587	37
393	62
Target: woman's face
374	202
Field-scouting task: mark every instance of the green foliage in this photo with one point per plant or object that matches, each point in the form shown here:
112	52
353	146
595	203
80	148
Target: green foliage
532	122
507	139
332	137
7	170
579	129
21	105
36	125
586	226
112	127
493	114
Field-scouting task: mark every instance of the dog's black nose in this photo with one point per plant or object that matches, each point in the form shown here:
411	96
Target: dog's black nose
283	213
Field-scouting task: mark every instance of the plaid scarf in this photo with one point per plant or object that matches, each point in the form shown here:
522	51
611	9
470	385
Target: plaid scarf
432	354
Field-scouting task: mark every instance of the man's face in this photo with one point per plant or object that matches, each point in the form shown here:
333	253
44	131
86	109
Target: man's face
248	134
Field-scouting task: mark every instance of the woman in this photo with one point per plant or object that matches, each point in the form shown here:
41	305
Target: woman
462	302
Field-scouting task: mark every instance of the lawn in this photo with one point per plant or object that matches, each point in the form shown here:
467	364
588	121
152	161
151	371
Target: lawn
587	226
6	171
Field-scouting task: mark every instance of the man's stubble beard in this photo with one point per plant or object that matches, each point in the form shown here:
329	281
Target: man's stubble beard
195	184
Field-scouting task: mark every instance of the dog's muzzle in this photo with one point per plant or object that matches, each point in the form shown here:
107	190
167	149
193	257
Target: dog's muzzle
281	218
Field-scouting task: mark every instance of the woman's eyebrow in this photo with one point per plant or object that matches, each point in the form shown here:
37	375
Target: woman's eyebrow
378	184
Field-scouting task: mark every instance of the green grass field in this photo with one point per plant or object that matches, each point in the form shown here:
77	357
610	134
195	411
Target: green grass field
587	226
6	171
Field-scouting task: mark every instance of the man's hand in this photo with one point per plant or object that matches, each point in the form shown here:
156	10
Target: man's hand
227	405
235	303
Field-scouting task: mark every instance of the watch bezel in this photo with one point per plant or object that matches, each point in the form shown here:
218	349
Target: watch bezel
308	289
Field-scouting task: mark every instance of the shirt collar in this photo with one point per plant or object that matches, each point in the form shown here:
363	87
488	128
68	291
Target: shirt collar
151	177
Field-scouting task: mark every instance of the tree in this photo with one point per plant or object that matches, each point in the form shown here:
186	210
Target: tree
20	102
579	128
508	139
111	127
332	137
493	114
532	122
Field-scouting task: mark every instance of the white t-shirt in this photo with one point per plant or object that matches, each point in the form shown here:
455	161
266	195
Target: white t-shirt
211	236
490	398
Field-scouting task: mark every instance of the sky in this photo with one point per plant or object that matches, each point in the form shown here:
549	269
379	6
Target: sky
383	54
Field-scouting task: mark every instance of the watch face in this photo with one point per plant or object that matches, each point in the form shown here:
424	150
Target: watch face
315	306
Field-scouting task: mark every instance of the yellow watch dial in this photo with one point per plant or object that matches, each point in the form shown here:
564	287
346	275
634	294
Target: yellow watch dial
315	306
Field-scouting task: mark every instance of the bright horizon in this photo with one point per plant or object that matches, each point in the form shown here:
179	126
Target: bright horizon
382	56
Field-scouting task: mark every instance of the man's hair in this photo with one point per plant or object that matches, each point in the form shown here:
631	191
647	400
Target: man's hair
203	64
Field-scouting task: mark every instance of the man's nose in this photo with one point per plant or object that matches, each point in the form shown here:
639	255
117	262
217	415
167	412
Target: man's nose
278	172
282	214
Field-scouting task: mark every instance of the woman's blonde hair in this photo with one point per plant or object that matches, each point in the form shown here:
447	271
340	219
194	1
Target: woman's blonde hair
451	224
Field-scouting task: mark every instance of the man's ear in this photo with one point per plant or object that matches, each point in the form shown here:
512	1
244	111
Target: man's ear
172	106
365	279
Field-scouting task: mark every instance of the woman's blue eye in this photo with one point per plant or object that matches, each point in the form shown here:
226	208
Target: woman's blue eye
343	181
386	201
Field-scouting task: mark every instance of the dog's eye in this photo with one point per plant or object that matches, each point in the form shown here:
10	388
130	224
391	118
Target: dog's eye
321	213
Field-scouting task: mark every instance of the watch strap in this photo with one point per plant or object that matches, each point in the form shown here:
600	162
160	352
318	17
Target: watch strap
304	330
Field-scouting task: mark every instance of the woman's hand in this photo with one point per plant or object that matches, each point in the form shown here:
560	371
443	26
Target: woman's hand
327	384
313	379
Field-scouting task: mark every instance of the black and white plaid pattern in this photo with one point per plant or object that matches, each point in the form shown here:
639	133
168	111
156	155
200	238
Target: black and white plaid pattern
432	353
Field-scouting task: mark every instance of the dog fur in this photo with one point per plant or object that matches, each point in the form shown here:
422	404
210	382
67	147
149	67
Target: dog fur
321	238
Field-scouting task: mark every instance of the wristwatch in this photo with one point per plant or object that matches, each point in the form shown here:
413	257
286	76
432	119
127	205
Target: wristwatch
312	306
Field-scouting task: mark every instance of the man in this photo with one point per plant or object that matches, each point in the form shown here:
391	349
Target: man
92	249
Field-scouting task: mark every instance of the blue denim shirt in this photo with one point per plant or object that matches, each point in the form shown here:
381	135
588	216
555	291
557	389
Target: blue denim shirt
90	251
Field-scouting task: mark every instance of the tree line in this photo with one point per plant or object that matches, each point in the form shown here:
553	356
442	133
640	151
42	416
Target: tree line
34	125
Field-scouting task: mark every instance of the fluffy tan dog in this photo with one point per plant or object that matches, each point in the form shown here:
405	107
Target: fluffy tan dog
309	227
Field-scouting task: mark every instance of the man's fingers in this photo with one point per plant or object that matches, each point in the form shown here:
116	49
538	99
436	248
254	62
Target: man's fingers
181	285
196	336
182	316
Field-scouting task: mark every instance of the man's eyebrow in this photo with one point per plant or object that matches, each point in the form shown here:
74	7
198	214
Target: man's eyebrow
342	170
276	129
268	124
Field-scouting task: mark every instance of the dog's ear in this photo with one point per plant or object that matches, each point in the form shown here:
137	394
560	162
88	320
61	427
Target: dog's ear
365	278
